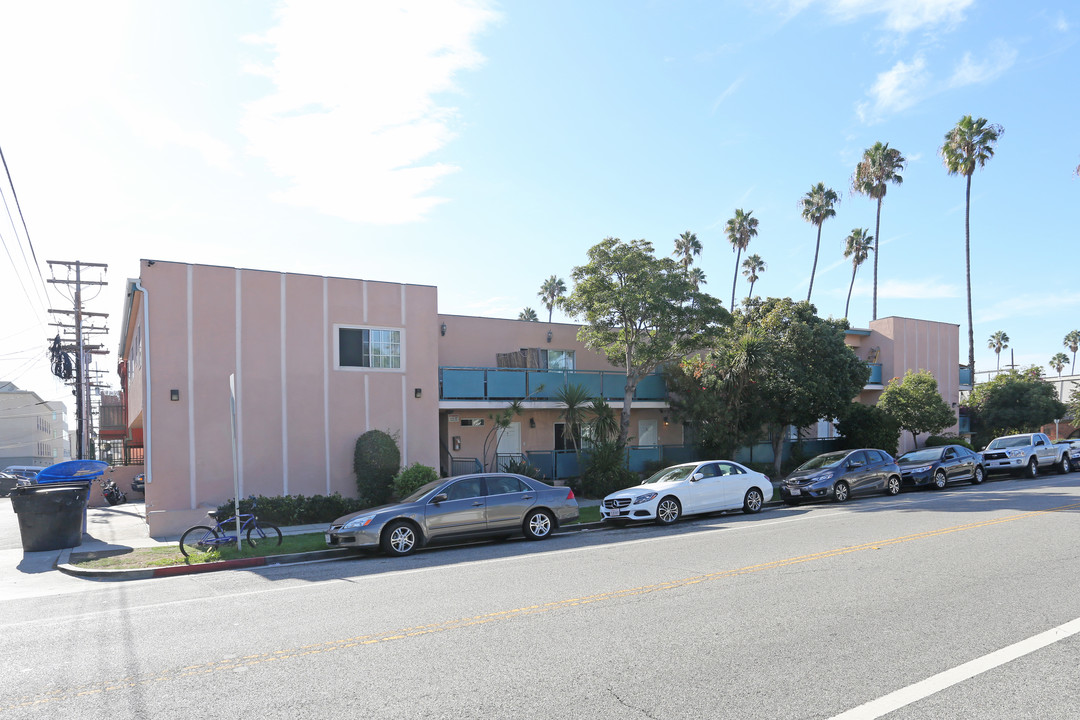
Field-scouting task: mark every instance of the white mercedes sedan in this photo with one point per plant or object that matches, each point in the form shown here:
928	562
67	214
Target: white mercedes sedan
689	489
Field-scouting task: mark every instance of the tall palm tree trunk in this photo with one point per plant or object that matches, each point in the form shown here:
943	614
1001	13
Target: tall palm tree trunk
877	252
752	288
967	260
850	287
813	270
738	255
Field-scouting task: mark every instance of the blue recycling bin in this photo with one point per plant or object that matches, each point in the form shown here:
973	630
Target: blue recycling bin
51	510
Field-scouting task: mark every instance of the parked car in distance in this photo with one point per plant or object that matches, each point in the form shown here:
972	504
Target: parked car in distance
1024	454
7	483
939	466
689	489
841	474
465	506
1074	450
138	483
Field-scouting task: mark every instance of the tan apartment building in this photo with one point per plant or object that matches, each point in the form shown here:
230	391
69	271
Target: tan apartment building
32	431
316	361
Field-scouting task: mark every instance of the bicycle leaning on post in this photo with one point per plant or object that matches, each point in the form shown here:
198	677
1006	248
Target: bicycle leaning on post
202	538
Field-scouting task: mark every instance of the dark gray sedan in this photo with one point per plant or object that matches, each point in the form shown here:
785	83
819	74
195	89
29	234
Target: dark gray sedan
466	506
939	466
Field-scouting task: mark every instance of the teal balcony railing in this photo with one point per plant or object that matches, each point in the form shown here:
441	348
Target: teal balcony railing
875	374
479	383
965	375
965	424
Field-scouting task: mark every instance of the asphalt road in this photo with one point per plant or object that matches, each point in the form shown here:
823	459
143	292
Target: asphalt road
950	604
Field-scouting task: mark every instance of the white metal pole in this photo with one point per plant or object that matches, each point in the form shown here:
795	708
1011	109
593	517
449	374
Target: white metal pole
235	466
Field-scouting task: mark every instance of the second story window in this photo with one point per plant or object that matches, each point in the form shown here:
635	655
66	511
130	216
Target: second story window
368	348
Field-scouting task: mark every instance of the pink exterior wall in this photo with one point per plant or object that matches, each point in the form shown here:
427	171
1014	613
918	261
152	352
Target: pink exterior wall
474	341
298	415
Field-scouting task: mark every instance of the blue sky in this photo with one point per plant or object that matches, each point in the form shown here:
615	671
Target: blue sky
483	147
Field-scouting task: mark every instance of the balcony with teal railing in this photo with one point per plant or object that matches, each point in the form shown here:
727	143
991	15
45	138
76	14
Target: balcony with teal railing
488	383
875	374
965	425
965	375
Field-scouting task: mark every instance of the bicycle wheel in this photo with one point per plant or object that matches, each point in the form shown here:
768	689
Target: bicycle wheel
195	539
263	532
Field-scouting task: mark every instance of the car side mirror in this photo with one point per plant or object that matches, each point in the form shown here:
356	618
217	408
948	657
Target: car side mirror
852	465
441	497
696	476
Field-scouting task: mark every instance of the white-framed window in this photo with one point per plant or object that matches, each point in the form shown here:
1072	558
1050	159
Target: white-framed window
368	348
560	359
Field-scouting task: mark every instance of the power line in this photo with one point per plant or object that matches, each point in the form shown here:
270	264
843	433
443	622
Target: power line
26	230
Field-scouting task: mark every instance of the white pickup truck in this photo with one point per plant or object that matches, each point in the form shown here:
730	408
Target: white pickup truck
1024	455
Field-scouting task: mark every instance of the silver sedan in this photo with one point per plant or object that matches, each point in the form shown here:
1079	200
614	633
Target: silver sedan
487	504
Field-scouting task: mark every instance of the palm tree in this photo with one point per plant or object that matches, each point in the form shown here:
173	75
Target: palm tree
1058	362
550	293
967	146
575	399
696	276
528	314
858	246
739	230
880	165
998	342
752	267
1072	341
686	246
817	207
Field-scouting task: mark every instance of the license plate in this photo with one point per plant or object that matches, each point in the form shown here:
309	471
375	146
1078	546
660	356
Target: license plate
329	541
614	513
795	491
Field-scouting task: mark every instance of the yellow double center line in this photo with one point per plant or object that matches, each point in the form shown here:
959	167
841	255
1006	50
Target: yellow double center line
410	632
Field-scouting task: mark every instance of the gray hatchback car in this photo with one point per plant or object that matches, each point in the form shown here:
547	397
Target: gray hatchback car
487	504
840	475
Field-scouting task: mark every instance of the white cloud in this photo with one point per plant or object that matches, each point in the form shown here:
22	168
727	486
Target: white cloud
901	16
929	289
970	71
726	94
353	116
896	89
1025	306
1061	24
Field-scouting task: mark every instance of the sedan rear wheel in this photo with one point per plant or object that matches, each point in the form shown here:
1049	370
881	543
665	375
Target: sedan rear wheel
753	501
668	511
892	486
940	481
538	525
840	491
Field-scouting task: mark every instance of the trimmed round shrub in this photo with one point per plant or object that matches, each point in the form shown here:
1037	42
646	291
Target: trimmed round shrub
376	461
408	480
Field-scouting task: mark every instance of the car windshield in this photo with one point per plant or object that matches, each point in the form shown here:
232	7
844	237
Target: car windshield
823	461
924	455
423	490
1009	442
671	474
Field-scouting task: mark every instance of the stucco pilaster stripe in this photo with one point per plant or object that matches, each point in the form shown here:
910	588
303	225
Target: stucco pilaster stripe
239	381
363	298
191	384
326	377
367	404
284	400
404	422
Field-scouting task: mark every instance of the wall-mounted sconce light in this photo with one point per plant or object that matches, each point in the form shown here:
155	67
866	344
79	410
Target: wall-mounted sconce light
442	330
549	336
532	422
665	420
416	392
174	394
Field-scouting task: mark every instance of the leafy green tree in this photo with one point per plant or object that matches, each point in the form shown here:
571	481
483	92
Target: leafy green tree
998	341
969	144
528	314
640	311
551	293
810	373
857	246
713	394
752	267
880	165
818	205
376	460
868	426
1073	407
603	425
916	405
686	247
1072	341
739	230
1014	401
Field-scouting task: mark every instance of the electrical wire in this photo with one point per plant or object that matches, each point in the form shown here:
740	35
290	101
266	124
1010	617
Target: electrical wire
26	230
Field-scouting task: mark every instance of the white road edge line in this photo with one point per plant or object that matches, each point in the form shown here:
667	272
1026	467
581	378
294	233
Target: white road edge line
936	683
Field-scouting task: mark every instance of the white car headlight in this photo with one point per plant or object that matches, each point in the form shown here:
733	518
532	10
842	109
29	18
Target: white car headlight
1016	453
644	498
358	522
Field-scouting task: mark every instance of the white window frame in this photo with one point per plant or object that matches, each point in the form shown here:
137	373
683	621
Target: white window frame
338	327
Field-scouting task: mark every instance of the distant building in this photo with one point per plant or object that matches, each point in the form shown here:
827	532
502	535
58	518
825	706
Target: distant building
32	431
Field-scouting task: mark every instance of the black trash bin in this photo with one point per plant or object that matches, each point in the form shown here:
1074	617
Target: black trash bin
50	516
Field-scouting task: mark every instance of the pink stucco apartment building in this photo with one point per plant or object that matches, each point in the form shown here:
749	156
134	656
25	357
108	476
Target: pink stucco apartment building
317	361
